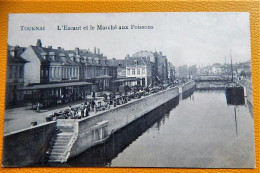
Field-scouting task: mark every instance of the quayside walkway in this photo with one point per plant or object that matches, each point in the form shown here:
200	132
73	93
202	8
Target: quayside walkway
20	118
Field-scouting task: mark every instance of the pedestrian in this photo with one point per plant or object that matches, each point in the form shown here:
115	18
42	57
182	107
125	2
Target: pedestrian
38	107
82	112
86	110
93	104
88	106
108	105
70	114
95	108
93	94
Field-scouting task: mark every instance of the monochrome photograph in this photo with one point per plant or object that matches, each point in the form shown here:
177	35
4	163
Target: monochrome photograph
157	89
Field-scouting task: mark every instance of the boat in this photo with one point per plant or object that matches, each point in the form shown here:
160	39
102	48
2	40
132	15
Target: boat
234	91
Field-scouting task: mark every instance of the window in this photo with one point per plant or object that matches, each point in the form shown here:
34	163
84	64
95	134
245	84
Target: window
21	71
138	71
15	71
62	72
58	71
128	71
42	73
10	71
143	70
133	71
51	72
46	73
55	71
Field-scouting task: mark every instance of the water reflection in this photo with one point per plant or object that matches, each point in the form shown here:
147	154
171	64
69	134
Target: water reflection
187	94
103	154
235	98
196	133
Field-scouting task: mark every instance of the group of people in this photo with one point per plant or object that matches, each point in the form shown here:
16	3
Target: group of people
71	113
95	105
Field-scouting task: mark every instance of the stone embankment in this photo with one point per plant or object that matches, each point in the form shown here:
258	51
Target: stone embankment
28	146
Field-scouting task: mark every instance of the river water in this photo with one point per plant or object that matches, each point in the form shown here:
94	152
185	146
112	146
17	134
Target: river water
198	129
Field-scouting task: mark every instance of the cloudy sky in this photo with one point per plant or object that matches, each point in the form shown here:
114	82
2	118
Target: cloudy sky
185	38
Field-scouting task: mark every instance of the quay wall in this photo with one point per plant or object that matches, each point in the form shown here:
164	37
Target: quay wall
119	117
27	146
187	86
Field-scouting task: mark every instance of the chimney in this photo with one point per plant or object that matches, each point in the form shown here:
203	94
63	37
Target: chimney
127	56
39	43
12	51
98	51
160	53
95	50
50	47
77	50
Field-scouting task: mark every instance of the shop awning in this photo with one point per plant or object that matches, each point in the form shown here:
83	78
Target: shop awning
126	80
103	77
56	85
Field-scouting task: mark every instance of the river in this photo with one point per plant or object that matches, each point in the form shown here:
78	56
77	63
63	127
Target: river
196	130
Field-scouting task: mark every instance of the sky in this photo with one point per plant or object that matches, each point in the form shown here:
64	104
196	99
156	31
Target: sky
185	38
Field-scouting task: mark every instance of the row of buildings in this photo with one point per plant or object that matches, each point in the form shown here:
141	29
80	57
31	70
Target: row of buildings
242	69
46	74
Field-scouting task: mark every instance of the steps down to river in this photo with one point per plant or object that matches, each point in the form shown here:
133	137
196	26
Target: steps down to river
59	151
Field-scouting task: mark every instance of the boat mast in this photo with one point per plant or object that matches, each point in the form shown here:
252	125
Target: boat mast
231	67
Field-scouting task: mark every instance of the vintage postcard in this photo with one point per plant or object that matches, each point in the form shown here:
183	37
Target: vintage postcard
129	90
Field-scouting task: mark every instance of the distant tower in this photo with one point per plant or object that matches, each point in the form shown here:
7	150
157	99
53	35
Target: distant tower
39	43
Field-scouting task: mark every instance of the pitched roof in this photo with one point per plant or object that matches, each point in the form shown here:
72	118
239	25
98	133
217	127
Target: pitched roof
17	57
61	55
116	62
140	61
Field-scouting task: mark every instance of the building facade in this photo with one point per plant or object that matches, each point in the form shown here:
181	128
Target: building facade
14	76
140	68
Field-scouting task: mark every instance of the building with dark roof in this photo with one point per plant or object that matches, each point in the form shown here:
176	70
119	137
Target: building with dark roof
14	76
119	69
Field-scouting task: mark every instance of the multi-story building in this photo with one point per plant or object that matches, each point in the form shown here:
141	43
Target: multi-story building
141	68
120	67
14	76
159	65
171	72
95	69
